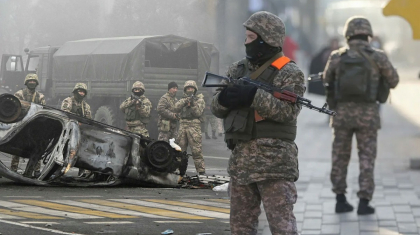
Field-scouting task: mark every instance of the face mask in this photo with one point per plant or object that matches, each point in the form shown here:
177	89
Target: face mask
31	85
78	97
140	93
258	52
189	93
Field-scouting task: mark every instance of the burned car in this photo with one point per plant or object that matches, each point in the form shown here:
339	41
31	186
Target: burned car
63	142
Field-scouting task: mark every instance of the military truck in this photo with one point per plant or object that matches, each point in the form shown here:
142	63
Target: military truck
109	67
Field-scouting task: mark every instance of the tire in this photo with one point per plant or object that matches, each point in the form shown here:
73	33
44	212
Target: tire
107	115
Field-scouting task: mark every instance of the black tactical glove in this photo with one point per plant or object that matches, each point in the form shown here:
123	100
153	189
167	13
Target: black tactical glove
237	96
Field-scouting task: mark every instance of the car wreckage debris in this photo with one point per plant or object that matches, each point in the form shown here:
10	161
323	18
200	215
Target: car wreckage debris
203	181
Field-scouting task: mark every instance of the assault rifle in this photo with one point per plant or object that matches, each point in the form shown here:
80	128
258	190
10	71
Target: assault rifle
214	80
136	98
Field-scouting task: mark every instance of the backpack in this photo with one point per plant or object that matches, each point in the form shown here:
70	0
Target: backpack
354	81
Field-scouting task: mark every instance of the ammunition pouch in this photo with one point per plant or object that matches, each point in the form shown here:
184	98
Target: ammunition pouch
165	125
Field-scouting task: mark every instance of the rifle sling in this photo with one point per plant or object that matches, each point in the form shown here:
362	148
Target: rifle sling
263	67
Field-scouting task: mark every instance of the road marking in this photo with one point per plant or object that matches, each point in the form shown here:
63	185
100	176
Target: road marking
4	216
23	207
38	222
110	222
175	208
207	203
220	200
74	209
39	228
83	196
224	158
107	208
178	222
141	208
27	214
195	206
126	196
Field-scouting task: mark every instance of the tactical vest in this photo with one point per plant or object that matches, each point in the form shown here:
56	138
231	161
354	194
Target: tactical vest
78	109
240	123
132	114
30	97
354	81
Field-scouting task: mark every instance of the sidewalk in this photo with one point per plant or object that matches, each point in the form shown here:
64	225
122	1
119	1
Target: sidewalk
397	192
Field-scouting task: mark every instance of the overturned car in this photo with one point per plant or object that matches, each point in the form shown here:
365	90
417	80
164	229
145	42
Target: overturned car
63	142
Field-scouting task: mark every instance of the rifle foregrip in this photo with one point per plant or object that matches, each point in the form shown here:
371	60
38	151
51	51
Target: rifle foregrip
285	95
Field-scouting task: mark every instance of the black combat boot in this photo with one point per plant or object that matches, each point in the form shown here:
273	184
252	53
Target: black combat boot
213	135
364	208
342	205
207	136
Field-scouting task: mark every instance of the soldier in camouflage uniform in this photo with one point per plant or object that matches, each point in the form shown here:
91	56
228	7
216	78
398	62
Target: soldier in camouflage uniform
76	104
264	161
357	113
210	119
168	119
29	94
137	110
191	107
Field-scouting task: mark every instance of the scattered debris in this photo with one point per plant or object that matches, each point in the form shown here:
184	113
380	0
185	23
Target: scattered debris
168	231
203	181
221	188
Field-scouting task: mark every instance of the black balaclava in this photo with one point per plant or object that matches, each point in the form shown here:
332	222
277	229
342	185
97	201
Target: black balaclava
78	97
258	52
358	37
31	86
140	93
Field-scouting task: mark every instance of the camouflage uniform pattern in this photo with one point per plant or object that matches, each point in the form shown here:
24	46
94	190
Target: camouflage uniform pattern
71	105
165	109
270	27
189	133
357	25
33	96
212	121
138	126
265	169
361	119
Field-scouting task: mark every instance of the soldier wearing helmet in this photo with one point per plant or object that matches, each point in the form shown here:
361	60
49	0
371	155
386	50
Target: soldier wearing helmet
137	110
168	119
76	104
358	76
264	163
191	108
29	94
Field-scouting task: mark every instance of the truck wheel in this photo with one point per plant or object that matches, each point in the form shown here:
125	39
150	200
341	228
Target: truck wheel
106	114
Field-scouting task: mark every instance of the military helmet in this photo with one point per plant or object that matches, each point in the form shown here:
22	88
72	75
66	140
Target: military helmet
190	83
138	85
357	25
80	86
269	26
31	77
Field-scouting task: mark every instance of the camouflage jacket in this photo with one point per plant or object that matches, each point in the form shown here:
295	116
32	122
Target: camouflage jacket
142	111
192	114
165	109
72	106
360	115
28	95
266	158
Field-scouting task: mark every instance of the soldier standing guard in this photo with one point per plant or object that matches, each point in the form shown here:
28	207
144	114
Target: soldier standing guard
30	95
191	107
76	104
354	75
168	119
264	161
137	110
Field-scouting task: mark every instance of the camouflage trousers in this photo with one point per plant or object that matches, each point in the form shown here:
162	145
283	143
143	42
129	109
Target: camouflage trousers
220	125
341	152
139	130
167	135
15	164
190	134
277	196
212	120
